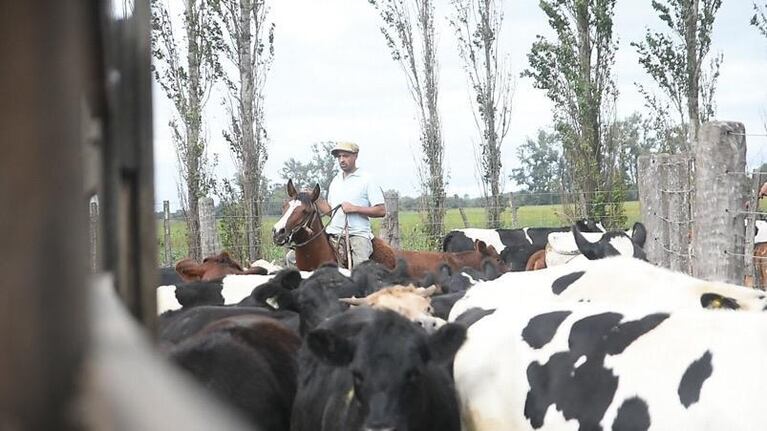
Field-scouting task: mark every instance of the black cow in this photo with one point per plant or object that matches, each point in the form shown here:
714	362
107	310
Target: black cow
249	361
317	297
375	370
175	326
515	245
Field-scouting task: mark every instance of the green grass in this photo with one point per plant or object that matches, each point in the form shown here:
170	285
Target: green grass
411	224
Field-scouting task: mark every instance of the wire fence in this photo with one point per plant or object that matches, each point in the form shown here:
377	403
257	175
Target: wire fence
412	224
701	209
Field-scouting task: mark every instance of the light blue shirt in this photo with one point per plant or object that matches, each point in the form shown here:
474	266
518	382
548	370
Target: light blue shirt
358	188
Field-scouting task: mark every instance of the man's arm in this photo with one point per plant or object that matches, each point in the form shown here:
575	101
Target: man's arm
374	211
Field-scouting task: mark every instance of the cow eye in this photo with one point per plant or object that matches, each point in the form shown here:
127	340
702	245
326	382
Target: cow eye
358	379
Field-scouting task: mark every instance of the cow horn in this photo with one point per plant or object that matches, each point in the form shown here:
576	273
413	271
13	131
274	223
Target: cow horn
354	301
587	248
426	291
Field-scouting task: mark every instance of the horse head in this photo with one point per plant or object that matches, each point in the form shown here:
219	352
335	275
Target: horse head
298	212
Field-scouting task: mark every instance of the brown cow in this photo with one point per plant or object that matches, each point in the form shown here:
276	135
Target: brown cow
212	268
536	261
411	302
420	263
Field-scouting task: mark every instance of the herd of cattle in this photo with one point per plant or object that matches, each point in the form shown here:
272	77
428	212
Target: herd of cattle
599	339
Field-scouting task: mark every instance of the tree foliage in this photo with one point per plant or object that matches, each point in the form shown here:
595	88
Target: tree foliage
477	25
541	164
187	79
249	47
320	169
759	19
408	29
674	60
575	69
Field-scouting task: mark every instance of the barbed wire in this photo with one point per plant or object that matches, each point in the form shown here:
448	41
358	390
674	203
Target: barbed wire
746	134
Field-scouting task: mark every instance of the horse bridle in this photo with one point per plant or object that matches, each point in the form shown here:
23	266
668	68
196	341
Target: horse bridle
308	220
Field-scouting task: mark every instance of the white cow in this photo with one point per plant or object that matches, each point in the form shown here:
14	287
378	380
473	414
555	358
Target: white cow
613	280
585	366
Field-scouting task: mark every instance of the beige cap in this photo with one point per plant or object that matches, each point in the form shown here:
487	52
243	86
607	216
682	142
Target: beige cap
345	146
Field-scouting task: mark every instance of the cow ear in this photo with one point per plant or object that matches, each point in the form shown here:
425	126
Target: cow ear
330	348
588	249
639	234
315	192
480	246
289	279
292	189
189	270
444	344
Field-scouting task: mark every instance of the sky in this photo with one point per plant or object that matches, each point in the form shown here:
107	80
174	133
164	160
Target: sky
333	79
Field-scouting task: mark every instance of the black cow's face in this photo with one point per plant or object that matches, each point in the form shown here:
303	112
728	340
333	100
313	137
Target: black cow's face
388	362
318	297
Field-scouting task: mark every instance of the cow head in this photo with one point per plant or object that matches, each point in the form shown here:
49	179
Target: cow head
389	362
490	254
211	268
316	299
613	244
413	303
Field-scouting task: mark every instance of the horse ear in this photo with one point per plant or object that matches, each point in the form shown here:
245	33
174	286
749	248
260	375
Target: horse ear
586	248
315	192
291	189
639	234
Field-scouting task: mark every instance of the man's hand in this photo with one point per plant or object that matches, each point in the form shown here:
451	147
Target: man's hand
349	208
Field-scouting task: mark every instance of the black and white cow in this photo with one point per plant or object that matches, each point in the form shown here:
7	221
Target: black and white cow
617	280
564	247
374	370
580	366
515	245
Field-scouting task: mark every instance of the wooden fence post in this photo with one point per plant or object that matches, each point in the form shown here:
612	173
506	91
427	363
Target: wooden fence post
463	217
208	229
166	230
389	230
720	185
676	196
514	208
652	211
93	235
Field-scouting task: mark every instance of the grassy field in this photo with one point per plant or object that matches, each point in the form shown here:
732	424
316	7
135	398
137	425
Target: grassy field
410	227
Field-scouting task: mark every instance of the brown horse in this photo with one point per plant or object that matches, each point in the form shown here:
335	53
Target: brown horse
301	227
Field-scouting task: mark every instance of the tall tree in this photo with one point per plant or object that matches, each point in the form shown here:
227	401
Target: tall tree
249	46
412	45
187	78
674	60
477	25
576	72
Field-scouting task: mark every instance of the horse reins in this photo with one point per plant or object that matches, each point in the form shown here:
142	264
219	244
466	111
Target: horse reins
308	221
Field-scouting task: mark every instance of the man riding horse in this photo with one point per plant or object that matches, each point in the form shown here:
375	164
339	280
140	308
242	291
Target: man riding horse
360	198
